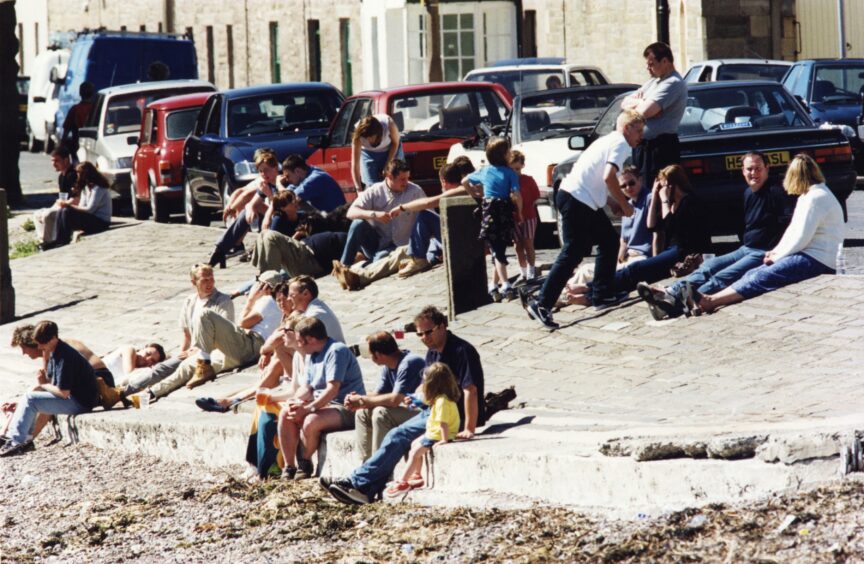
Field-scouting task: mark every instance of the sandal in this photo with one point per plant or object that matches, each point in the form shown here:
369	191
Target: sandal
398	488
415	481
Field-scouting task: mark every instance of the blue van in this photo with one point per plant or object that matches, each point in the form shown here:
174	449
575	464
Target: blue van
113	58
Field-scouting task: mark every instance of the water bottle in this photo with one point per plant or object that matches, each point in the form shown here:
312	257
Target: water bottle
841	260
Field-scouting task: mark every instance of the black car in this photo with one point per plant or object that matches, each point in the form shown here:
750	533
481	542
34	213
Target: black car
725	120
219	154
22	85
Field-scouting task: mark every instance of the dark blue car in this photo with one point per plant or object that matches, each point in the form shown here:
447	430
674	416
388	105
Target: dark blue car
219	154
831	90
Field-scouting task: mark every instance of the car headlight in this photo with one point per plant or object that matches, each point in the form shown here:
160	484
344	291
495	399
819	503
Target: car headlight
122	162
245	170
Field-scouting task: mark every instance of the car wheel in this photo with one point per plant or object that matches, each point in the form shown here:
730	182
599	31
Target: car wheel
139	209
158	207
193	212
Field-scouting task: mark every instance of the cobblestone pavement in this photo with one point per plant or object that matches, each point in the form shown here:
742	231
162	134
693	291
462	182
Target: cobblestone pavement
793	354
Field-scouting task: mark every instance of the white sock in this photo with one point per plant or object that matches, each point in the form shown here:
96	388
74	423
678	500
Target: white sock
204	355
532	272
524	271
492	287
505	286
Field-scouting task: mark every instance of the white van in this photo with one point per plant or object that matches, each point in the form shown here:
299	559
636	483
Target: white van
42	100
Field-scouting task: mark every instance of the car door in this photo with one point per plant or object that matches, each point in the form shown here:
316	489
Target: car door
144	162
202	152
193	148
337	154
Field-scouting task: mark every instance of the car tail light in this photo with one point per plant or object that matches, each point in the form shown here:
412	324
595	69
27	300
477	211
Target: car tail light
549	170
841	154
694	166
165	171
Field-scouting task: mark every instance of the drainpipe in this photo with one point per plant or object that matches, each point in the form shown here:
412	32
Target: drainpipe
663	21
842	28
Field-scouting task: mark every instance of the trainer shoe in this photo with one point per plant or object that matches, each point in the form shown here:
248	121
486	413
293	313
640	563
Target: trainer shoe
304	469
289	473
611	301
541	314
203	373
11	449
495	295
343	490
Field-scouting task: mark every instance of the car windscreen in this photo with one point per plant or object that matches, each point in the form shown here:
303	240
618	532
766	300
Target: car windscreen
23	84
838	84
179	123
521	81
124	111
557	114
744	107
281	111
752	72
446	114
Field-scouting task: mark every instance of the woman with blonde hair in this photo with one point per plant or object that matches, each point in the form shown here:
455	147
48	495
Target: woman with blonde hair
93	213
808	247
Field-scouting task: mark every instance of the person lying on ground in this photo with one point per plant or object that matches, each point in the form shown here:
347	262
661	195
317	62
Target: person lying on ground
809	245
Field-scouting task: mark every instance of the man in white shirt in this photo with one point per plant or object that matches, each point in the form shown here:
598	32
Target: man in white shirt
303	293
580	201
374	231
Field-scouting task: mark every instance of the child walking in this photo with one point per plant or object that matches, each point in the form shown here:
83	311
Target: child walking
441	392
500	195
523	235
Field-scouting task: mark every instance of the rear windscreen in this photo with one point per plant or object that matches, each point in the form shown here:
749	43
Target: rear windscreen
115	61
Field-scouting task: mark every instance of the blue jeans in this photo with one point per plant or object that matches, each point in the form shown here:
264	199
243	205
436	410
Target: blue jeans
788	270
719	272
363	237
581	228
648	270
34	403
372	164
425	238
70	220
234	234
371	477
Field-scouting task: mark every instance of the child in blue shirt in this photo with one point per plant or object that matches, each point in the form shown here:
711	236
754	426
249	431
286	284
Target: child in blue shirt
500	196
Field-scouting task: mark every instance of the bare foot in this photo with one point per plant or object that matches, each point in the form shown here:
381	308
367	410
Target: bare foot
578	299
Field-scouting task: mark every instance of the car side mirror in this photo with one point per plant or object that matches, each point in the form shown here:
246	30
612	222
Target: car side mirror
577	142
56	75
132	140
317	141
38	99
88	132
802	102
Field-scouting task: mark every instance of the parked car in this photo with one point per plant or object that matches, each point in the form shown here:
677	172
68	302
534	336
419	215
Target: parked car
522	76
108	138
22	84
539	126
737	69
42	102
219	154
430	117
113	58
832	91
157	166
725	120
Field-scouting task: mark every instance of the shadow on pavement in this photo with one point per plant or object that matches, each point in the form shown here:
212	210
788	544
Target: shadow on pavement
499	428
56	307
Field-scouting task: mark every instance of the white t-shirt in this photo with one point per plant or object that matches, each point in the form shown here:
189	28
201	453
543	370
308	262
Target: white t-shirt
114	363
270	314
816	229
384	145
586	181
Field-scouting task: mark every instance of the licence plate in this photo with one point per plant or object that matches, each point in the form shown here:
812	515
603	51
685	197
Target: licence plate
438	162
775	158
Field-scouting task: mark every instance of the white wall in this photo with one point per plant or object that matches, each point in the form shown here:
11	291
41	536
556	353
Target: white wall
31	13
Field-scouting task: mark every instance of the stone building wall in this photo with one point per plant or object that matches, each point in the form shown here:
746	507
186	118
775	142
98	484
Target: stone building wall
250	30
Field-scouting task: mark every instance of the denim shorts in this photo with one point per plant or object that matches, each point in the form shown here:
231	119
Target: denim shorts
427	442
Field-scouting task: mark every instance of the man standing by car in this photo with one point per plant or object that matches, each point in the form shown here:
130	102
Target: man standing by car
661	101
580	201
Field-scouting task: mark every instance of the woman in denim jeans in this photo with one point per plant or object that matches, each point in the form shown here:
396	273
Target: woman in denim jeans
808	247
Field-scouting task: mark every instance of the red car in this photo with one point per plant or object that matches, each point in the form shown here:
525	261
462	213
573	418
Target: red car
430	118
157	167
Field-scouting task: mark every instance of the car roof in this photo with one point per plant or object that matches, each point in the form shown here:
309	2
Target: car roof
578	89
830	61
742	62
181	101
281	87
156	85
731	84
428	86
528	61
534	67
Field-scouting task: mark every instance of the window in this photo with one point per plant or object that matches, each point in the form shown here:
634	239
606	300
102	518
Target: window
457	45
179	123
451	114
229	37
417	49
337	138
281	112
843	84
201	120
211	63
215	119
376	63
275	66
529	34
142	28
36	36
148	131
345	52
313	33
21	48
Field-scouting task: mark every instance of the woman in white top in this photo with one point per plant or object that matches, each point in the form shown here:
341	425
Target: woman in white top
375	143
808	247
93	213
122	361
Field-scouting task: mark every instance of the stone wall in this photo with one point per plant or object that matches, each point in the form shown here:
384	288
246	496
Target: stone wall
250	30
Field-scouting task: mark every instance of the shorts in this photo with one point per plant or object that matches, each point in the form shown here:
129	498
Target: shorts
345	414
525	230
106	376
427	442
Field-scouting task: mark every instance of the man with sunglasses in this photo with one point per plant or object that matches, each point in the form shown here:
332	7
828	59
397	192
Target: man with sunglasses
369	480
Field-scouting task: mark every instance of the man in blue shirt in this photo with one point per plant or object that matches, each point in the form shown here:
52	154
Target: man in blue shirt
379	412
312	184
462	358
67	386
332	372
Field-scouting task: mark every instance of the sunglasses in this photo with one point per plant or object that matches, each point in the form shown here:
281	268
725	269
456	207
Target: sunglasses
422	334
628	184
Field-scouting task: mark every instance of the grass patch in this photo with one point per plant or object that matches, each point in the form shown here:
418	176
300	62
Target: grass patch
28	225
23	249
